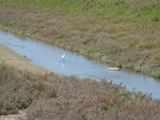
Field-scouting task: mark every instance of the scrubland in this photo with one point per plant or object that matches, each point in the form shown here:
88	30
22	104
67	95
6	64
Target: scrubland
57	97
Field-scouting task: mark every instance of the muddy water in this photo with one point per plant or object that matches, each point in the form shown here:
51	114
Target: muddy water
51	58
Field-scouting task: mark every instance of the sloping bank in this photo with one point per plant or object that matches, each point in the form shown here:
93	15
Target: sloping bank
50	96
123	43
10	58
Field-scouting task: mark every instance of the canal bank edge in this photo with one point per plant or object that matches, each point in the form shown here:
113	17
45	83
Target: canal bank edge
96	58
11	58
136	69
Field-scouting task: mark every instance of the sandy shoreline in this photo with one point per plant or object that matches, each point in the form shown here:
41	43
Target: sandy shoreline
11	58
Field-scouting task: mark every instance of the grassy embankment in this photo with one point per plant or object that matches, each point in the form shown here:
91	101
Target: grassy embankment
123	37
51	96
118	32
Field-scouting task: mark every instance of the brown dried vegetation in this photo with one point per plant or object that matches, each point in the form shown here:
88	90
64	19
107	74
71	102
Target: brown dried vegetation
68	98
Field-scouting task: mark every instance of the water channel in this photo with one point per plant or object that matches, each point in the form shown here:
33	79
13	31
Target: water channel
50	58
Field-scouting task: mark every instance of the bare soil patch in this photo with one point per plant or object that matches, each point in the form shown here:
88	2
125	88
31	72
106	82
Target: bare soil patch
20	116
9	57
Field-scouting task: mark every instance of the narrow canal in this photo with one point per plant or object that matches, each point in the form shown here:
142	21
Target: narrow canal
73	64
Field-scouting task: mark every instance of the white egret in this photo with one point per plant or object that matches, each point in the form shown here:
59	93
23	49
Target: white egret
63	56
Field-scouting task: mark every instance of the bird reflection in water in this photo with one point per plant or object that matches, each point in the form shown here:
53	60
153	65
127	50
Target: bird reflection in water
63	66
63	61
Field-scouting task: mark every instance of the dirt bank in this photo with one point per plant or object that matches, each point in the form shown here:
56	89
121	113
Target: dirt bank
9	57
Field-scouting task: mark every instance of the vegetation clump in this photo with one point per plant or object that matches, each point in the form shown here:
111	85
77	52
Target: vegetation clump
57	97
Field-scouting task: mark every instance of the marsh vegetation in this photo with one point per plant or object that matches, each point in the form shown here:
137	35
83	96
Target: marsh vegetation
118	32
57	97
